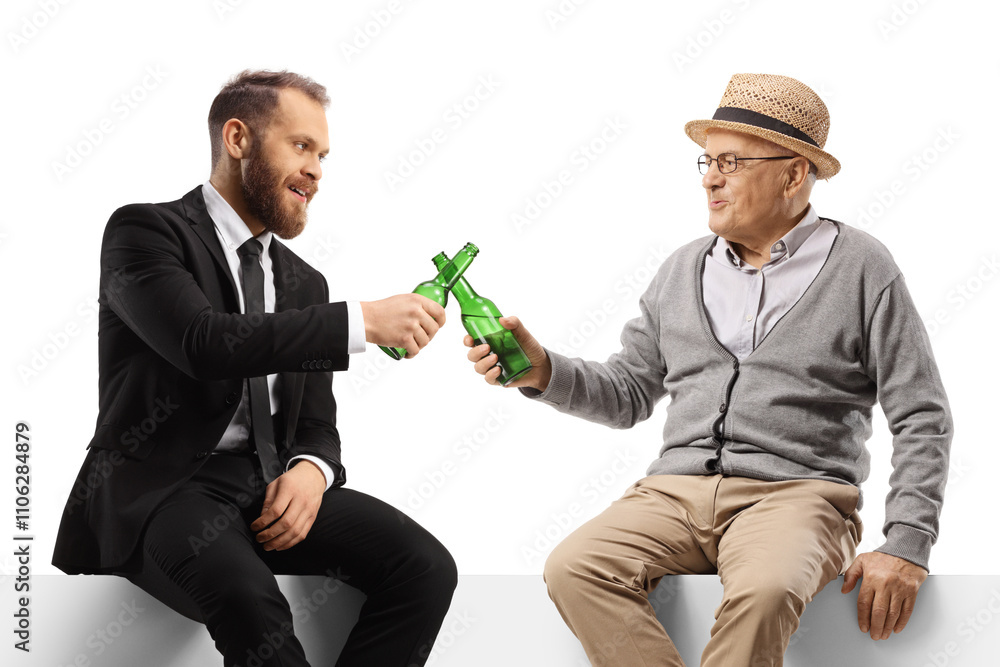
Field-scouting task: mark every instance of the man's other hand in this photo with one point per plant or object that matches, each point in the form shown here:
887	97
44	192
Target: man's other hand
408	321
291	503
486	362
888	591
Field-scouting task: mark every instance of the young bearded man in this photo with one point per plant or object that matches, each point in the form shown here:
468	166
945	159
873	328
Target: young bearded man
216	351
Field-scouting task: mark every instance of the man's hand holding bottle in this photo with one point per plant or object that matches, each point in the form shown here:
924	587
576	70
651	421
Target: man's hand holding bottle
486	362
406	320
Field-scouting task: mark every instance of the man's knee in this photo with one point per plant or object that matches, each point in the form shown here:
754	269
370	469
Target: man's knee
442	572
769	594
564	568
432	566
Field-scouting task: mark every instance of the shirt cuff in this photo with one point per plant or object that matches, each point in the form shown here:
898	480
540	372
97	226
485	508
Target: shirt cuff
355	328
323	466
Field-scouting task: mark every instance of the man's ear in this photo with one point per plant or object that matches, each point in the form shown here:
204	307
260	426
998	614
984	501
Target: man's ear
796	175
236	138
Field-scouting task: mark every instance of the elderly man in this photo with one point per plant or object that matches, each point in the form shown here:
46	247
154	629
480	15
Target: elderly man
774	337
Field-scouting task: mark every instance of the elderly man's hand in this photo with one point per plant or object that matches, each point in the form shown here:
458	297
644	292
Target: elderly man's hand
888	591
486	361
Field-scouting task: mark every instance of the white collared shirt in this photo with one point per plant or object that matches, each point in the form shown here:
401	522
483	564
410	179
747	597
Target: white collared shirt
232	232
743	303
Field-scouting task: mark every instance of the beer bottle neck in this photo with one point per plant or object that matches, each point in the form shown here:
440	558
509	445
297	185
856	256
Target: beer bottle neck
452	272
461	289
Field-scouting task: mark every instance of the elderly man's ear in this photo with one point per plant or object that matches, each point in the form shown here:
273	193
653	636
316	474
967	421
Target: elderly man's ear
798	175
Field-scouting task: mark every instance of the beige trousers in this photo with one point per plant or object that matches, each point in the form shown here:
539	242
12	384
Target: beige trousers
773	544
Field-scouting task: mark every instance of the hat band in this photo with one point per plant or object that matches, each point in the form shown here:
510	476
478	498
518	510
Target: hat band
748	117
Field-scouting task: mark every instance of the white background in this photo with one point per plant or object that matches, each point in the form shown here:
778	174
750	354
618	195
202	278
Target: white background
897	77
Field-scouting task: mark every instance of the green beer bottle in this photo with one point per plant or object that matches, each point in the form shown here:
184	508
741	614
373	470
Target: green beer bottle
481	318
437	289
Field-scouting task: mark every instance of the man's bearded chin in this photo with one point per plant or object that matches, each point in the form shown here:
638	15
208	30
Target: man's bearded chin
265	198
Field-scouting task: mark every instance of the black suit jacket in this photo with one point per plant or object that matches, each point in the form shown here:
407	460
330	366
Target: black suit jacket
174	351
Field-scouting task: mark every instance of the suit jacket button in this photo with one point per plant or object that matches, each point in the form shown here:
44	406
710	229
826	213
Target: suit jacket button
231	398
201	455
327	365
305	365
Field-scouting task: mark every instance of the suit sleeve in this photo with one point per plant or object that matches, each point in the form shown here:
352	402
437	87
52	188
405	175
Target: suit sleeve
145	281
316	427
316	430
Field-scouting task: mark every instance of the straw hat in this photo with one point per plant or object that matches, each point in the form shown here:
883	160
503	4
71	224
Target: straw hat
776	108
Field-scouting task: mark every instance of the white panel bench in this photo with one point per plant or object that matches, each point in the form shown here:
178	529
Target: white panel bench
500	620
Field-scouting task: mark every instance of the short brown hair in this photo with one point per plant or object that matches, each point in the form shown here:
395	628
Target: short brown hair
252	97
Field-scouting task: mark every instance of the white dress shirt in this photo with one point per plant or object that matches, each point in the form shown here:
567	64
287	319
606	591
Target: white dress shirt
232	232
743	303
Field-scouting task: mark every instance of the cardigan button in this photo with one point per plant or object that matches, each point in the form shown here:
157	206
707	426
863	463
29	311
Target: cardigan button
722	408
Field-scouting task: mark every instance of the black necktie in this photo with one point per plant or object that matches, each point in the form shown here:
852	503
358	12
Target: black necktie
262	428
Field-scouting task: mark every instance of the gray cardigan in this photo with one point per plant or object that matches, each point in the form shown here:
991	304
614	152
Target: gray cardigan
800	405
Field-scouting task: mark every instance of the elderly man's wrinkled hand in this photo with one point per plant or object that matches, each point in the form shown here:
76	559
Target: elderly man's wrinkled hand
486	361
888	592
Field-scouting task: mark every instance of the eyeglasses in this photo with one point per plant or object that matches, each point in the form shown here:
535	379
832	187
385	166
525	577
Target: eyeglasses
728	162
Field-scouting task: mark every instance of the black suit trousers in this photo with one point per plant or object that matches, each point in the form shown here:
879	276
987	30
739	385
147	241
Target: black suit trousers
200	539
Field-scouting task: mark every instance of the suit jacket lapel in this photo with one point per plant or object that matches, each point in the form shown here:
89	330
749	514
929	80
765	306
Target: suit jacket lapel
201	223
